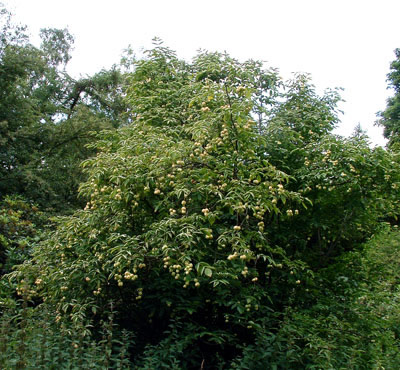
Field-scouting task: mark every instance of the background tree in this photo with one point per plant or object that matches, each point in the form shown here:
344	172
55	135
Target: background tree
47	117
390	117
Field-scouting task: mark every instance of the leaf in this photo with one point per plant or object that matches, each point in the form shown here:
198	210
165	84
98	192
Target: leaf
200	268
211	219
240	309
204	269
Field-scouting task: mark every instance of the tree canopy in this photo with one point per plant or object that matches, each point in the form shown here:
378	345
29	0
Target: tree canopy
219	222
390	117
211	212
47	117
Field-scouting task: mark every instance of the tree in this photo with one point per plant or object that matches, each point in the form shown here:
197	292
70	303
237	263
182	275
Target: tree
47	117
204	226
350	186
390	117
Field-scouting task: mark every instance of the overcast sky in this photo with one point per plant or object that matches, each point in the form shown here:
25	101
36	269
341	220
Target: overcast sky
341	43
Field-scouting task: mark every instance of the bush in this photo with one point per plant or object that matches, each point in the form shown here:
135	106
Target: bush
32	338
353	322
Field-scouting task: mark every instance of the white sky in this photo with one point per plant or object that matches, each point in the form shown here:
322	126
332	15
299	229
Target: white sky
341	43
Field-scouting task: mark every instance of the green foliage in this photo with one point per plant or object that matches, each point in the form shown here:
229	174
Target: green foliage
355	321
390	117
223	219
31	338
46	117
349	185
208	229
21	228
175	216
20	224
56	45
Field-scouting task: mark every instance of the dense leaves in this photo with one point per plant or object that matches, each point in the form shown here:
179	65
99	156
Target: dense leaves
211	213
225	225
390	117
20	224
355	321
46	117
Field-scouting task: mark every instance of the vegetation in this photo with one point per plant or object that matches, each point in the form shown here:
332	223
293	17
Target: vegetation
225	225
390	117
46	117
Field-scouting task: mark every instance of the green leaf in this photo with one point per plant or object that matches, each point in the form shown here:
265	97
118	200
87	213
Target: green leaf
211	219
240	308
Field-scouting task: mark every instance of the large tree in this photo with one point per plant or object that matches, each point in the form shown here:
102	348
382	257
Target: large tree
210	212
46	116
